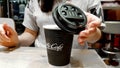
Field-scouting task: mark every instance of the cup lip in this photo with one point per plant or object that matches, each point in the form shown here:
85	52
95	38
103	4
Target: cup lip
51	26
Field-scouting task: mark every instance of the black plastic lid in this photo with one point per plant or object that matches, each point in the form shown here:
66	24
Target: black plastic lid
69	18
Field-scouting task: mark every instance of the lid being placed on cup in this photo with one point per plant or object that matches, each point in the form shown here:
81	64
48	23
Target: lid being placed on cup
69	18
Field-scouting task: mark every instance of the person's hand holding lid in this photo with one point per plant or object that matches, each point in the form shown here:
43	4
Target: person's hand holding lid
92	33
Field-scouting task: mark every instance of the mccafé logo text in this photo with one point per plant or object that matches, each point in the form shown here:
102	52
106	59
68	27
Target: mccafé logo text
55	46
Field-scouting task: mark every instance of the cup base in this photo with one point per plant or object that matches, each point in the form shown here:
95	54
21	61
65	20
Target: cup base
65	66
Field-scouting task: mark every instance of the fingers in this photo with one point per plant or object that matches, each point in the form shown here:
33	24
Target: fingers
68	1
94	24
92	20
3	36
8	29
83	36
7	36
5	33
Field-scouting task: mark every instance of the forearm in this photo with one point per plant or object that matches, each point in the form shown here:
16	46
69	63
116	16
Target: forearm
26	39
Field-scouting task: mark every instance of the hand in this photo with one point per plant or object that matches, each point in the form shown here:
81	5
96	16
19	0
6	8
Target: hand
8	36
91	33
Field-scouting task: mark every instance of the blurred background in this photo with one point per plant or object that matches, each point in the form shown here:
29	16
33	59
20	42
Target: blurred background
15	9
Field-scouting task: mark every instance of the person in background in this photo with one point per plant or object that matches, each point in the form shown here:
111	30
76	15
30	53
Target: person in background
39	12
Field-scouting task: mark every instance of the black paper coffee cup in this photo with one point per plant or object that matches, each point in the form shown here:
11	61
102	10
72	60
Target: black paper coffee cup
59	44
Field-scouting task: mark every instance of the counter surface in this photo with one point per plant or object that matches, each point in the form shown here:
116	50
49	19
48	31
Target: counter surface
32	57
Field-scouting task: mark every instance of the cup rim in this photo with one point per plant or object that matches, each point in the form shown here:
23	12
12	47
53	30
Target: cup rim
51	26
